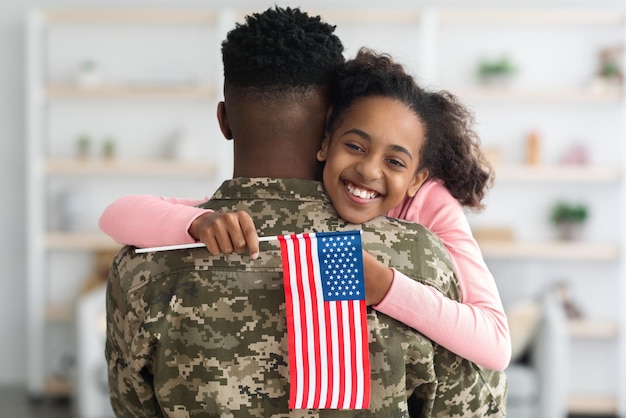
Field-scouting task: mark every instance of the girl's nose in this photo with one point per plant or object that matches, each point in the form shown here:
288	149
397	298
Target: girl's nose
368	169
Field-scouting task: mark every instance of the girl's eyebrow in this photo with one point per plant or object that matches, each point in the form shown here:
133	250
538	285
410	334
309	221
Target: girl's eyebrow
402	149
368	138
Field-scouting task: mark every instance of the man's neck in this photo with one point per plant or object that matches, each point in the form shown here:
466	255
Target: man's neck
280	140
295	172
277	164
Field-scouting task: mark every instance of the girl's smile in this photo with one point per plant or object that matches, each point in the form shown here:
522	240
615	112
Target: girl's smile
360	193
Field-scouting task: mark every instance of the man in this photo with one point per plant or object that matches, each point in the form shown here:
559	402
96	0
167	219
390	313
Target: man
193	335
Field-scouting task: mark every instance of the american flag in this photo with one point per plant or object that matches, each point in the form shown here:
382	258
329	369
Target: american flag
326	320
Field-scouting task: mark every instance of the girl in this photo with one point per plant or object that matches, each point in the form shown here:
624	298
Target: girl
425	176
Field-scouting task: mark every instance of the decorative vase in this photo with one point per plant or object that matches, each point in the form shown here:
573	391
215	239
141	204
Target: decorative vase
88	74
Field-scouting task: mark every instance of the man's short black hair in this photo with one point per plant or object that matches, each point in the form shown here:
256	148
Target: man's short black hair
280	49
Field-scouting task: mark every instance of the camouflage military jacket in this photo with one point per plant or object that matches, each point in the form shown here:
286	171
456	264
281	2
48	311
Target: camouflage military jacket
191	335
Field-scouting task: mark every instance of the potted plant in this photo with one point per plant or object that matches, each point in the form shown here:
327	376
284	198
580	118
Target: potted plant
496	72
83	146
569	219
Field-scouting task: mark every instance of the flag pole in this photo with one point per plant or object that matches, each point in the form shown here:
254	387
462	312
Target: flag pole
186	246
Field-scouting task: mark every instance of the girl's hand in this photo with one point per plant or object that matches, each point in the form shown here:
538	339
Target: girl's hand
378	279
225	233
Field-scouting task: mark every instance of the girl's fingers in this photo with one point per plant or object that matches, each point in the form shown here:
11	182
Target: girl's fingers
249	233
230	232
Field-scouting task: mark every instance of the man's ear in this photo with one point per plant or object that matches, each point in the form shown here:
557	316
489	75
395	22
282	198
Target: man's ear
321	154
419	179
222	119
328	112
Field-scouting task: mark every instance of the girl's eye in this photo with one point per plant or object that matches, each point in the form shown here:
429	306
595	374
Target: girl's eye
354	147
397	163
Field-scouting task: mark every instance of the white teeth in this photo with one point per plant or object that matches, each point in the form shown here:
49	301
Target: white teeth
363	194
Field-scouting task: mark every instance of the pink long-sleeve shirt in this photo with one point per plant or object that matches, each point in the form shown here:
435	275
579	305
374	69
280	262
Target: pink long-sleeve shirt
476	329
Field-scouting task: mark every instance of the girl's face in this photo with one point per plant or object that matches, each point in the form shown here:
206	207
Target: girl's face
371	158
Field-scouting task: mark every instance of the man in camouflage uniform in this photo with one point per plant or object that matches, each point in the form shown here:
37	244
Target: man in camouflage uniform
192	335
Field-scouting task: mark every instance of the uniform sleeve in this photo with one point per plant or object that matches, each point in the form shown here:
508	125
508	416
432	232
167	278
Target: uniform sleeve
150	221
475	329
124	398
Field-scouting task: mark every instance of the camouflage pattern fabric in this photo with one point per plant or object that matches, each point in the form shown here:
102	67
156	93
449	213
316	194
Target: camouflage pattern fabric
191	335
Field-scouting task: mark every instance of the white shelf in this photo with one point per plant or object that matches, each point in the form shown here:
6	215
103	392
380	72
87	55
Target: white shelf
80	241
57	387
593	329
59	313
557	173
376	17
138	92
544	95
142	16
550	251
533	16
592	405
502	15
135	168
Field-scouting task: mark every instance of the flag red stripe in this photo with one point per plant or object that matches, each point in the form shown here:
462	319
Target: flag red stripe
352	354
366	357
303	322
314	343
291	320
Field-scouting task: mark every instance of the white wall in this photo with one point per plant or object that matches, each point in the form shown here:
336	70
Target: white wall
12	221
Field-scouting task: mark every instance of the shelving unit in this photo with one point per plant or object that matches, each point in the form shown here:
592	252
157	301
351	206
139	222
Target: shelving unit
553	102
557	53
138	80
442	47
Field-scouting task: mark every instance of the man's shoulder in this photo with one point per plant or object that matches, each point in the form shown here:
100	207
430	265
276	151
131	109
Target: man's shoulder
397	223
135	270
393	230
413	250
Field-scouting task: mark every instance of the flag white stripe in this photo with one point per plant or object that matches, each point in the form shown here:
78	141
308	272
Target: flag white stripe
360	384
323	358
347	353
308	331
335	360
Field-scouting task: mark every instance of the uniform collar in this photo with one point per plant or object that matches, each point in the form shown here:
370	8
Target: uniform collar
271	188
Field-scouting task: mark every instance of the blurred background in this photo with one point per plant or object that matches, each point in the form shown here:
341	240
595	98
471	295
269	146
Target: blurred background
104	99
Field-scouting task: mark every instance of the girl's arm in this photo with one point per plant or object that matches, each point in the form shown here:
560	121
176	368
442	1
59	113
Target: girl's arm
150	221
475	329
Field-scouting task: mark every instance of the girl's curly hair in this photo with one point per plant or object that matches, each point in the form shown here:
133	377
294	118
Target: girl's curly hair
452	150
